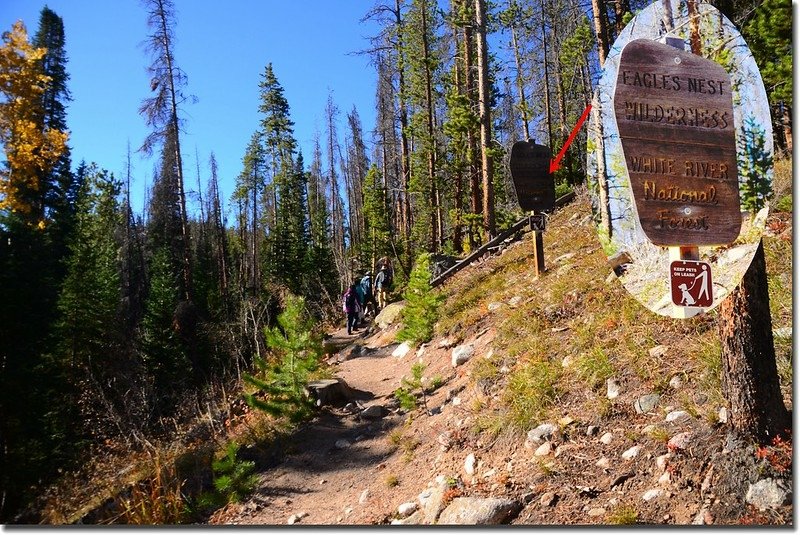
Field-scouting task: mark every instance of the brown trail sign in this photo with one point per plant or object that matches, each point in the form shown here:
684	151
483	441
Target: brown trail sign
674	112
535	187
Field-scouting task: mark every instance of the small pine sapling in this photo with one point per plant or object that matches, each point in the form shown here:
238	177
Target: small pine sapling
281	382
422	304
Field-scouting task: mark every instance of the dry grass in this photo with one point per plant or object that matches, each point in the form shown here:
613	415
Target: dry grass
573	313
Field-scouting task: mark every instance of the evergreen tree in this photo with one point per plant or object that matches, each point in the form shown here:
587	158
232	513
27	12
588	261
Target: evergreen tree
91	333
296	352
422	303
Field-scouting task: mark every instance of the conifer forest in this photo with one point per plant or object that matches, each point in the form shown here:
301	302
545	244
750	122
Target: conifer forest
116	325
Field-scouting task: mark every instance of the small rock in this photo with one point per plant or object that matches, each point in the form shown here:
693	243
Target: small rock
420	351
596	511
543	450
661	461
664	479
401	350
514	301
678	417
364	498
646	403
462	354
505	369
445	440
676	382
767	493
567	361
603	463
592	430
612	388
323	481
493	306
445	343
631	452
542	432
297	517
469	464
658	351
723	415
680	441
652	494
373	412
405	509
548	499
607	438
342	444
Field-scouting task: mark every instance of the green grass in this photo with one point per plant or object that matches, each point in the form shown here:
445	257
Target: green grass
595	368
532	390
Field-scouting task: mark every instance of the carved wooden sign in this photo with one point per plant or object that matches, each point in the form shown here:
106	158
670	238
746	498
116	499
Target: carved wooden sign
530	171
674	112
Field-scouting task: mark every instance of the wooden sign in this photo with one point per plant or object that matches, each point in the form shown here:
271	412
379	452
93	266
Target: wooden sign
533	182
690	283
674	112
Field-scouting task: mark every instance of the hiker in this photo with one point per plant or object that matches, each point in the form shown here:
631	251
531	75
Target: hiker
383	282
370	306
350	307
361	295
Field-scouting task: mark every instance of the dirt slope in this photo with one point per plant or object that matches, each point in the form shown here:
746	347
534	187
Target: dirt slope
646	444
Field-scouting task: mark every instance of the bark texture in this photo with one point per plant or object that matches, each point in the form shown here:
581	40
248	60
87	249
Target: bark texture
750	380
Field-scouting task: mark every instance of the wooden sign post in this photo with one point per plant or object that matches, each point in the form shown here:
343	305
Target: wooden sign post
674	111
535	188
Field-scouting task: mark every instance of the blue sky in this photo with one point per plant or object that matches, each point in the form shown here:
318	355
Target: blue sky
223	48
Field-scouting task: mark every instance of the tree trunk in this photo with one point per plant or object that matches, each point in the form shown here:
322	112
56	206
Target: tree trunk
404	146
523	105
549	140
600	29
750	380
487	165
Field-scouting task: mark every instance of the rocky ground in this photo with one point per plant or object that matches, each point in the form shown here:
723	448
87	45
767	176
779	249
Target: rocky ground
370	462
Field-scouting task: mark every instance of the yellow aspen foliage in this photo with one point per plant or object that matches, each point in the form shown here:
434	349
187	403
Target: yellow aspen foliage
30	149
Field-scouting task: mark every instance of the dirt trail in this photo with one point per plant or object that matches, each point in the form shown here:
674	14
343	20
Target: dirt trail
321	475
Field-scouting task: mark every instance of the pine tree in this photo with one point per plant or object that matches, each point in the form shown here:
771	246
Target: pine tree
91	333
160	112
296	352
422	303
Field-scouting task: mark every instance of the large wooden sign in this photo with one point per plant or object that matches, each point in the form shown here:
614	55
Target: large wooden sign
533	182
674	112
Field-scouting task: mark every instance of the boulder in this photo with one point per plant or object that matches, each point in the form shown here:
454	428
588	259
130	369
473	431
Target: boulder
479	511
646	403
330	392
767	493
462	354
373	412
389	315
542	432
401	350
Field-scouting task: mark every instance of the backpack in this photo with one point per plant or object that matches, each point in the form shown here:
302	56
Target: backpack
388	278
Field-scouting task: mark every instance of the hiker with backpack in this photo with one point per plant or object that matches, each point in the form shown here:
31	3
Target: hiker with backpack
369	297
383	283
350	307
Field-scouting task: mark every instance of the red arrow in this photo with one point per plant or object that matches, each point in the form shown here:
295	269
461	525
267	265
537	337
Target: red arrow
555	165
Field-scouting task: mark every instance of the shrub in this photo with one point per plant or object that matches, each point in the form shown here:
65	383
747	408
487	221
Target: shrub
233	480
